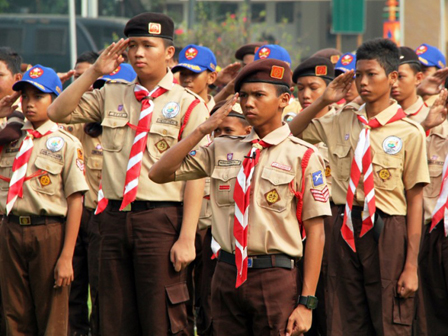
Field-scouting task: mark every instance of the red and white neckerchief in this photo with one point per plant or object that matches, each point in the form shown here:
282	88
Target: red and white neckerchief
140	139
102	201
441	210
362	164
241	195
20	166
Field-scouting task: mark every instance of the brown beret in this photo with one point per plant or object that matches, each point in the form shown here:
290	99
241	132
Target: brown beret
235	112
314	66
266	70
248	49
150	24
332	54
408	55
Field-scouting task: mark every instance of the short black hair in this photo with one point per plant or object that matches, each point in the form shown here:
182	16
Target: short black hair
167	43
12	59
281	89
87	57
415	67
384	51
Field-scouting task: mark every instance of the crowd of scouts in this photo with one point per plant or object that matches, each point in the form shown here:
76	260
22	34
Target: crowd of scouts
188	201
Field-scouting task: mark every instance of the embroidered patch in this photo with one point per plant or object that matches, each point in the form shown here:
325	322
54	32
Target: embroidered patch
36	73
224	187
193	153
117	70
392	145
318	178
171	110
154	28
70	129
58	89
321	195
166	121
347	136
281	166
277	72
55	144
264	52
334	58
229	156
384	174
191	53
321	70
79	153
80	164
227	163
422	49
51	154
45	180
327	171
118	115
162	146
272	196
120	108
347	59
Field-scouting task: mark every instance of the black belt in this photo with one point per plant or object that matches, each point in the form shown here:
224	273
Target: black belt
33	220
262	261
137	206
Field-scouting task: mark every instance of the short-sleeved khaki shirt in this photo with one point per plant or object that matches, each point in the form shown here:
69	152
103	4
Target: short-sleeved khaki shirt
273	225
437	147
398	156
115	105
60	157
418	111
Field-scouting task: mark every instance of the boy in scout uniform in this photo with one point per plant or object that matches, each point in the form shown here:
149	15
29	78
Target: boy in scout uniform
147	230
380	234
256	218
42	182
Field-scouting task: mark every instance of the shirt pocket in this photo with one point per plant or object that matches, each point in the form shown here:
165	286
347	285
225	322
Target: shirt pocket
6	171
49	181
274	190
343	162
94	163
435	174
161	138
113	134
224	180
387	171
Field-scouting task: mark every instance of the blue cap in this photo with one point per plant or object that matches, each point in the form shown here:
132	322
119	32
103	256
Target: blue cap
345	63
273	51
430	56
124	72
43	78
196	58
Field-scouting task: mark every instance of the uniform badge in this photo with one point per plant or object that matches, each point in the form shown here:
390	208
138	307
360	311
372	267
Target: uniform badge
171	110
191	53
99	147
392	145
36	73
281	166
154	28
347	59
318	179
80	164
120	108
193	153
264	52
79	154
162	146
347	136
117	70
434	157
272	196
327	171
321	70
55	144
45	180
224	187
277	72
384	174
421	50
70	129
334	58
321	195
229	156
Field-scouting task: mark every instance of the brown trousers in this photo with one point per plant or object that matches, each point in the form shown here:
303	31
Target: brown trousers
366	290
433	265
261	306
140	293
28	256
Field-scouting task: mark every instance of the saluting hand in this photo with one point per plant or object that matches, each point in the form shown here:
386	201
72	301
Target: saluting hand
65	76
228	74
63	272
208	126
111	57
299	321
437	113
6	104
338	88
432	84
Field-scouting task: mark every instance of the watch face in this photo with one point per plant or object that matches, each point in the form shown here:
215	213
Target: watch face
312	302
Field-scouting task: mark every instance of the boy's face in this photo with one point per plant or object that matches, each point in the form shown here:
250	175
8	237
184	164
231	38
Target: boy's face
7	80
309	88
372	82
428	70
352	93
406	84
196	82
35	104
231	126
247	59
148	56
80	68
261	105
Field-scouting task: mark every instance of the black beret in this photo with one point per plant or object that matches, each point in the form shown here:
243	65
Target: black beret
408	55
266	70
314	66
235	112
247	49
150	24
332	54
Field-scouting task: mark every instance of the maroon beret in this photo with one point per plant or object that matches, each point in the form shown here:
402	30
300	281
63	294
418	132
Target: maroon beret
247	49
332	54
266	70
151	25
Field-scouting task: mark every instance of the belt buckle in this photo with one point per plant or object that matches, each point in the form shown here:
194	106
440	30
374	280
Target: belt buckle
250	262
25	220
127	208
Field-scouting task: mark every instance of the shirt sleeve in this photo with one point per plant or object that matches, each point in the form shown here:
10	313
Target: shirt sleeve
415	167
318	129
90	107
197	164
73	173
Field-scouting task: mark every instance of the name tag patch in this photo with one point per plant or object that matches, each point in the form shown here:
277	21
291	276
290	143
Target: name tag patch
51	154
227	163
117	114
167	121
281	166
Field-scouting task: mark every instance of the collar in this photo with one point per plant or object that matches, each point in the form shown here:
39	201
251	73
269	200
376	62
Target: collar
415	107
47	126
384	116
273	138
166	82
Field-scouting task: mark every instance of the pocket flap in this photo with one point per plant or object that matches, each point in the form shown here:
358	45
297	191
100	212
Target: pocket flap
50	166
435	170
342	151
387	160
94	163
114	122
164	130
225	174
276	177
177	293
7	161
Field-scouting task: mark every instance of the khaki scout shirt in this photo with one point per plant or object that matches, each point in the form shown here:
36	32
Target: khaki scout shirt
417	111
398	156
437	148
273	225
93	157
114	105
59	155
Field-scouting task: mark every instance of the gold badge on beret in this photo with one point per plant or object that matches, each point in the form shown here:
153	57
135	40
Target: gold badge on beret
334	58
321	70
277	72
154	28
272	196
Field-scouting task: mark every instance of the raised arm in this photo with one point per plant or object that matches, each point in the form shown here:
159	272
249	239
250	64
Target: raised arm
68	100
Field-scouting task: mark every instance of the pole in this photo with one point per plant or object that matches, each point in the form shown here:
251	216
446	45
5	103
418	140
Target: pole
248	20
359	40
402	22
191	17
442	41
72	30
338	42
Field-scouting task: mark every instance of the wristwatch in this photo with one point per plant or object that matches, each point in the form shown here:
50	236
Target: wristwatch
308	301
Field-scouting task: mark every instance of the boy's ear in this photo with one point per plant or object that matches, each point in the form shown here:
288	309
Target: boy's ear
17	77
247	129
211	77
284	99
393	77
169	53
419	78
